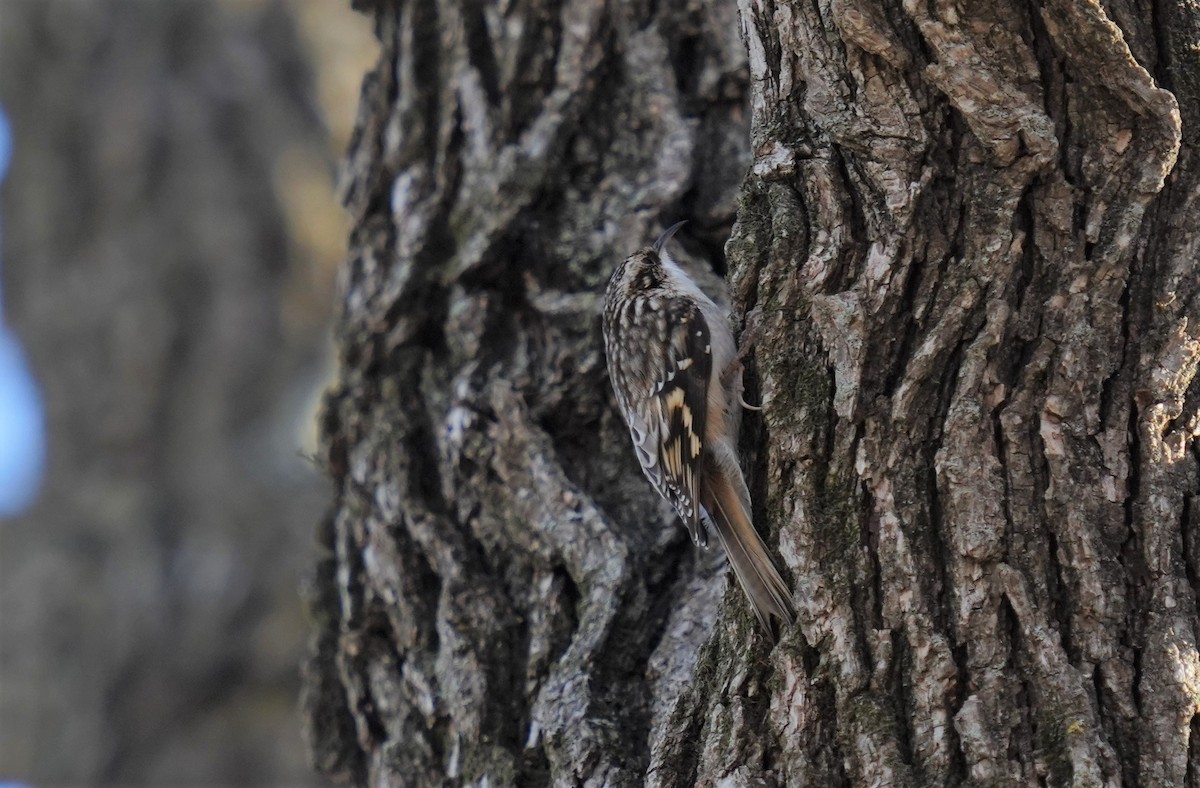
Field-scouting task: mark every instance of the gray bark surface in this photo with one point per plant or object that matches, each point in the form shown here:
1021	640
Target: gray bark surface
966	244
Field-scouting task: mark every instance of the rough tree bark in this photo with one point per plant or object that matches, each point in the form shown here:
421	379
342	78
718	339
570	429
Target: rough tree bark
965	236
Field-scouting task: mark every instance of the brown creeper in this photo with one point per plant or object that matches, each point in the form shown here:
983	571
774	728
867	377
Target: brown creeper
670	351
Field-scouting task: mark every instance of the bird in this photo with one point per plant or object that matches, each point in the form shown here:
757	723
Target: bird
675	371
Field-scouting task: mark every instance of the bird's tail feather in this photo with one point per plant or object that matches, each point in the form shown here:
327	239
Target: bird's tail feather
768	594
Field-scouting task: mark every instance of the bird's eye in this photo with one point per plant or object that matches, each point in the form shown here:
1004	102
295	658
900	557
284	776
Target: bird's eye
647	280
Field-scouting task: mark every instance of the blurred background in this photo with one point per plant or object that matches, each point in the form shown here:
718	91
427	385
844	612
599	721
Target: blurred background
170	234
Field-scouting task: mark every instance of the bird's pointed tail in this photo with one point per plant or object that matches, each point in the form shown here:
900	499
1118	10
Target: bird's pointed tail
768	594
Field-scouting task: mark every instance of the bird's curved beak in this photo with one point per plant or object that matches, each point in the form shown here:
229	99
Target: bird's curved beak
666	236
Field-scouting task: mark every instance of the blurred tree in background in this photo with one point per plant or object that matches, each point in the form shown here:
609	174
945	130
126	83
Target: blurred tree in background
170	236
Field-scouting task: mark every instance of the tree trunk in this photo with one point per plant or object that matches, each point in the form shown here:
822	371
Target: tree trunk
966	245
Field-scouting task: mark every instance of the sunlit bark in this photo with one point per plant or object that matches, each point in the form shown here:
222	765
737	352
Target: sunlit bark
966	244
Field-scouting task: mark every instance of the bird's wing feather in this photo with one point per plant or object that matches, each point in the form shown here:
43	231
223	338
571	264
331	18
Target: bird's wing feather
671	426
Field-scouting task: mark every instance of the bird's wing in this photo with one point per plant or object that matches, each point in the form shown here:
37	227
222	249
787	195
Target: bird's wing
671	443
